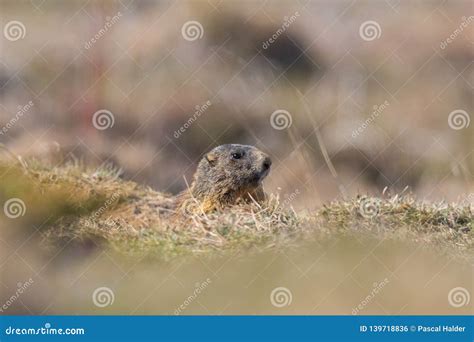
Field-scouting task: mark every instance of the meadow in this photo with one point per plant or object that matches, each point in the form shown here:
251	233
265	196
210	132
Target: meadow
365	108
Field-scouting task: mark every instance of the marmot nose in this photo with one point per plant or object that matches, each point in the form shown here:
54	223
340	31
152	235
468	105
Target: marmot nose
267	162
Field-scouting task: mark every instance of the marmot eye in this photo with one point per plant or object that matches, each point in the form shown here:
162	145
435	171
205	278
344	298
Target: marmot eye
236	155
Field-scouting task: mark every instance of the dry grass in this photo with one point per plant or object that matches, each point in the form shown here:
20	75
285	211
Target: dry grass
100	230
74	204
340	90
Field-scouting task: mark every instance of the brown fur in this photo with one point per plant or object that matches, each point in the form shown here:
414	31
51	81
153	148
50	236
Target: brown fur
225	176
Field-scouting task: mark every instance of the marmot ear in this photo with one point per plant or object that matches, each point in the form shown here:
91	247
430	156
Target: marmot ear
211	158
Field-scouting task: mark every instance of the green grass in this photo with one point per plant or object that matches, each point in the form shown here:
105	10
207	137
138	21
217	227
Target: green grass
74	204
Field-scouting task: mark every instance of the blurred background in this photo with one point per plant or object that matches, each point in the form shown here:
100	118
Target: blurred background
347	97
370	84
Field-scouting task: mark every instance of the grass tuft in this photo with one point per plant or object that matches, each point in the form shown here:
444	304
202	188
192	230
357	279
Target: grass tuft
75	205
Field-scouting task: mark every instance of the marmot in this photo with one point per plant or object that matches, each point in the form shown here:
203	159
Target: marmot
226	175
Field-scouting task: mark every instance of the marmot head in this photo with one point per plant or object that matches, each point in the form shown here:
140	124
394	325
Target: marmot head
230	171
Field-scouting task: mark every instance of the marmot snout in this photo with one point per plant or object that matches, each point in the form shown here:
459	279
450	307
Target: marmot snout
228	174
